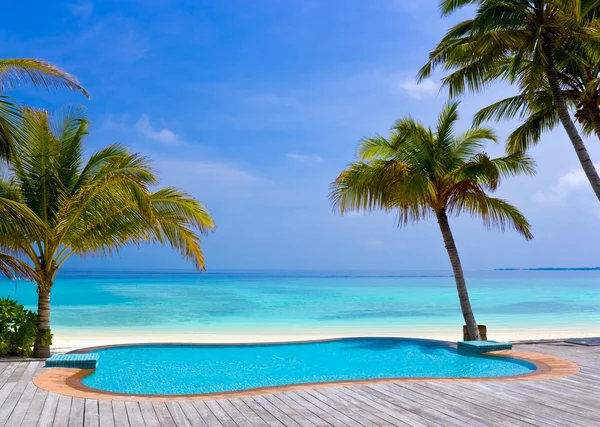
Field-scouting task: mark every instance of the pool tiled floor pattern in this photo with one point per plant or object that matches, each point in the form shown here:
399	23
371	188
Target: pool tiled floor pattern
568	401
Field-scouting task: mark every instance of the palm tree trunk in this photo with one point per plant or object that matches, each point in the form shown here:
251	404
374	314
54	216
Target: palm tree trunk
41	347
567	122
459	277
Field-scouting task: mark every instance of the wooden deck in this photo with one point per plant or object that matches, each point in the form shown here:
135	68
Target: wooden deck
570	401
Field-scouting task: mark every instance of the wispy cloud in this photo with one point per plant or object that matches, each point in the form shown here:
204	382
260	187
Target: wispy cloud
415	90
163	135
569	183
304	158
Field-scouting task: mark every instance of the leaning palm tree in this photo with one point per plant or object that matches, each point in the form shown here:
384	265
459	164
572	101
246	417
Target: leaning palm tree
522	42
422	173
74	207
17	71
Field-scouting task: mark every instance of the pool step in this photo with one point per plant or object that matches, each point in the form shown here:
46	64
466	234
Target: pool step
78	361
482	346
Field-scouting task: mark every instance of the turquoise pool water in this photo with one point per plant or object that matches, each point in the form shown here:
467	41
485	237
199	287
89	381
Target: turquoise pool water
199	369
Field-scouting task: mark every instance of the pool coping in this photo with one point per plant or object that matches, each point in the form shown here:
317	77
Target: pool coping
69	381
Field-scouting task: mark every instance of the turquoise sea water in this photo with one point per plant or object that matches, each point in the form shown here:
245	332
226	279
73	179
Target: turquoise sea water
272	301
189	369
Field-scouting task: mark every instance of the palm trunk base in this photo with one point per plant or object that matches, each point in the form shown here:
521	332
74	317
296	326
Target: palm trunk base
482	333
41	352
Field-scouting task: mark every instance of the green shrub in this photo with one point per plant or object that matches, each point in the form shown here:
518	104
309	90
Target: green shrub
18	328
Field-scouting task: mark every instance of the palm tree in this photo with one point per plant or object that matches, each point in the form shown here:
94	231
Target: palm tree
74	207
423	173
523	42
581	91
14	72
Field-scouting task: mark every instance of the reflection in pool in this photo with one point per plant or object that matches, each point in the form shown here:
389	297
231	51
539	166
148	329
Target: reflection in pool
198	369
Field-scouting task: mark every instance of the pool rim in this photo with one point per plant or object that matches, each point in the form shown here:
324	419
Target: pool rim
69	381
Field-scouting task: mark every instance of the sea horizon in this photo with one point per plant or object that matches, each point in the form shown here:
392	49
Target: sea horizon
131	305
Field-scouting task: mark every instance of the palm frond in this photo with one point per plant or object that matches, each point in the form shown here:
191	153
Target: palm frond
15	71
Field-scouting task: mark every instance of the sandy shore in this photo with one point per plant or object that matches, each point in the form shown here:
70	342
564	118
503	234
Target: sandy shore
71	340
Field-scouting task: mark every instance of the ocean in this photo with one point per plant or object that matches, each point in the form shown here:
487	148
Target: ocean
532	304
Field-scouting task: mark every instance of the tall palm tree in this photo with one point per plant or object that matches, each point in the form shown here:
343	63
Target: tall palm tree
74	207
523	42
13	73
423	173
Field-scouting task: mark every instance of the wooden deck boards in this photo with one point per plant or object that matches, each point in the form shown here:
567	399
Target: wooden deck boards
569	401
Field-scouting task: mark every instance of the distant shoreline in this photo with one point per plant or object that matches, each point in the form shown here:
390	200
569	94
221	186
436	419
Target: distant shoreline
550	269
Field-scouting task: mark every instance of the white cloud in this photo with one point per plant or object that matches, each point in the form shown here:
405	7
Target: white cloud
164	136
568	183
415	90
304	158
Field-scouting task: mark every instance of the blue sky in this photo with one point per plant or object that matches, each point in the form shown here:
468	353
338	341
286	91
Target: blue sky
256	106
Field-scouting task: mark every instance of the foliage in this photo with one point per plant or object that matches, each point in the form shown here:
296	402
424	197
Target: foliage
421	173
519	41
514	40
58	204
93	207
18	329
16	71
13	71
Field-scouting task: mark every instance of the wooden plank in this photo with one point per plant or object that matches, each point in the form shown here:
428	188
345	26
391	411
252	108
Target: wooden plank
515	405
92	416
463	411
250	415
63	410
289	411
35	408
18	372
384	409
12	392
178	415
232	411
206	414
149	414
8	372
408	405
276	412
356	414
48	411
192	414
20	410
262	412
105	413
301	410
163	414
134	414
472	396
324	415
76	416
220	414
120	414
325	408
3	365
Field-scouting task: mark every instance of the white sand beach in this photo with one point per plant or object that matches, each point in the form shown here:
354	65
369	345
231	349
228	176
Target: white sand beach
71	340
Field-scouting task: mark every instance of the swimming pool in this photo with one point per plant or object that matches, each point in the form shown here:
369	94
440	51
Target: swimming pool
180	369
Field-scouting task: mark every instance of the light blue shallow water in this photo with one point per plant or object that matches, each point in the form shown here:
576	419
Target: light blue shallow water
131	301
189	369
